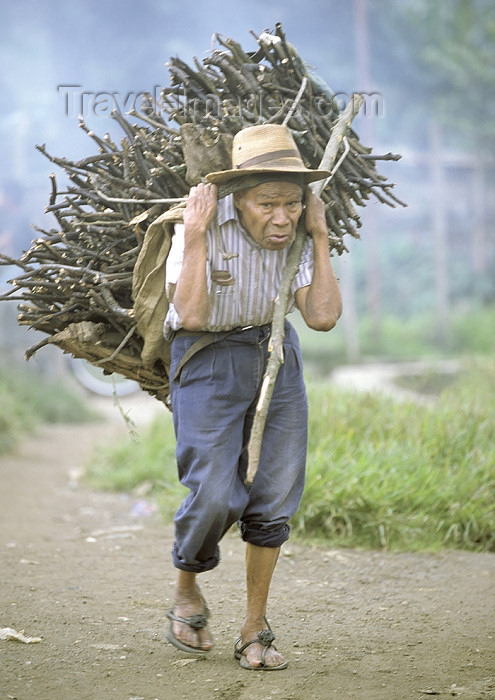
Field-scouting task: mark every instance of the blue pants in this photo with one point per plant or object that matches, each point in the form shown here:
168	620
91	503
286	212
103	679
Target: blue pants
213	403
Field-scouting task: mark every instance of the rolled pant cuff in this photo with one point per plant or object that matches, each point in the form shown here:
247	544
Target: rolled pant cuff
265	538
197	567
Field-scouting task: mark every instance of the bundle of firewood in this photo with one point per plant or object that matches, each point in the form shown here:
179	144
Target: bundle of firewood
75	282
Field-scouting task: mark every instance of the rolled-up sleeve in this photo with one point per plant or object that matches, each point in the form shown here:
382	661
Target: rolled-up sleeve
304	274
172	271
175	256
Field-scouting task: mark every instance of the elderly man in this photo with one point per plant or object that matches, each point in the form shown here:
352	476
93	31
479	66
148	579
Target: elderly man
223	275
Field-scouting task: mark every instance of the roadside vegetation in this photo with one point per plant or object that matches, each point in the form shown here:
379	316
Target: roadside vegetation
27	399
403	475
400	339
382	473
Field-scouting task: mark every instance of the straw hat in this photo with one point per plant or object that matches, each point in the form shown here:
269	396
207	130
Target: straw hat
268	148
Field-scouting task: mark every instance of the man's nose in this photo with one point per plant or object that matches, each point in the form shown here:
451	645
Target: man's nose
279	217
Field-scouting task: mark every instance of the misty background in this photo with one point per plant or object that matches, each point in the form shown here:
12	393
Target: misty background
421	280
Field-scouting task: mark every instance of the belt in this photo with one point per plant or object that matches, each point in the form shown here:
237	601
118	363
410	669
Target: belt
239	329
205	339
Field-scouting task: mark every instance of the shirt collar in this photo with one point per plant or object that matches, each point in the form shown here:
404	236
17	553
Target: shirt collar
226	210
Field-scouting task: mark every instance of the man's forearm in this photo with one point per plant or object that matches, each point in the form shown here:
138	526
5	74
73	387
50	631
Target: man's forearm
191	293
321	303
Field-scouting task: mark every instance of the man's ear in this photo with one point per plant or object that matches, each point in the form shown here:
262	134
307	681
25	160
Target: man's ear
237	197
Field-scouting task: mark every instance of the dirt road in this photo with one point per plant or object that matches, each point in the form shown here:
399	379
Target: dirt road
90	574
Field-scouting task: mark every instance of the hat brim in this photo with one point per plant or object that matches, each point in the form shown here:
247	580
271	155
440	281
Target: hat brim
223	176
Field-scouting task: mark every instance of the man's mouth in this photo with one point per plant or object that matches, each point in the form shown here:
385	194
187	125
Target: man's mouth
279	236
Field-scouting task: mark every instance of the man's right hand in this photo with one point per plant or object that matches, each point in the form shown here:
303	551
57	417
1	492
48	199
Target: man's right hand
200	209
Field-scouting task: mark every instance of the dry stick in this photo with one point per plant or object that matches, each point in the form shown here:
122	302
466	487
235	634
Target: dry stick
296	101
126	200
277	335
118	349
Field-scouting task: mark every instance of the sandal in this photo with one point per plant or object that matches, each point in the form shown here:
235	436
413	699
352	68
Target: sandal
265	638
195	622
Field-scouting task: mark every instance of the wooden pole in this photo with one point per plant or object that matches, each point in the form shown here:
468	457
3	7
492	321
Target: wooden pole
440	234
480	252
363	65
276	358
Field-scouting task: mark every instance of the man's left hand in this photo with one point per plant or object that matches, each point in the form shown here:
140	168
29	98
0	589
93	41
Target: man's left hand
314	216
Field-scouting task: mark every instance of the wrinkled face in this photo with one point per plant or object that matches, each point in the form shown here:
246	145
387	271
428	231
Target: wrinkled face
270	213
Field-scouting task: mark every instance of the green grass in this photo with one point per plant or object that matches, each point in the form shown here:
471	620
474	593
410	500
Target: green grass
427	383
402	475
146	460
386	474
27	399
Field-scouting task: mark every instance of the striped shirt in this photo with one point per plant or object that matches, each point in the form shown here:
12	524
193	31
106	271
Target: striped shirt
243	278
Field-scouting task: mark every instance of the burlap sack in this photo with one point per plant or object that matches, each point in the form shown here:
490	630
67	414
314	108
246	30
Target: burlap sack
148	287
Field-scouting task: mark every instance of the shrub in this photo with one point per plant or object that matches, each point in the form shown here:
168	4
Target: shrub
27	399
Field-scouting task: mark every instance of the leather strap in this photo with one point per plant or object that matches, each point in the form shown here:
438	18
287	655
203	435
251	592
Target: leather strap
266	157
206	338
203	341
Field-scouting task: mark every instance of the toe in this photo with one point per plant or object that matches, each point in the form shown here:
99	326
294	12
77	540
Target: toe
272	656
198	639
204	640
185	634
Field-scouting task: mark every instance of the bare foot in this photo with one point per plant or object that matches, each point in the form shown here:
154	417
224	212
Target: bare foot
188	604
253	652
